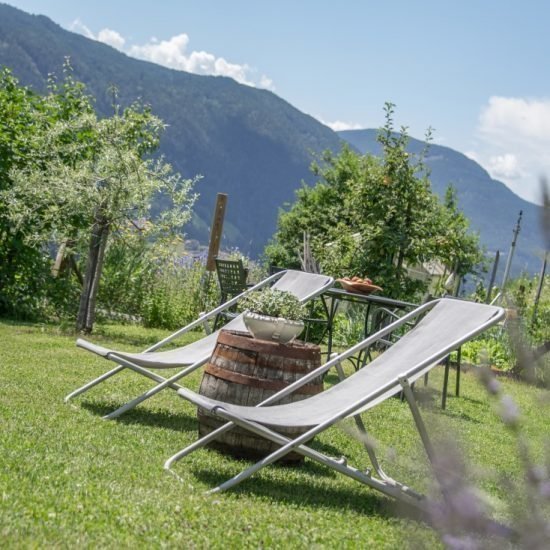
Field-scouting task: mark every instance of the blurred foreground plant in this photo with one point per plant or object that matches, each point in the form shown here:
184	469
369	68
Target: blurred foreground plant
462	517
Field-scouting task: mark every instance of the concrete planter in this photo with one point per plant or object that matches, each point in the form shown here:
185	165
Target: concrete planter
277	329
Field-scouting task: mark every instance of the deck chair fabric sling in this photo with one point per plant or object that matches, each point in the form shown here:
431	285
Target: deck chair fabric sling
446	325
305	286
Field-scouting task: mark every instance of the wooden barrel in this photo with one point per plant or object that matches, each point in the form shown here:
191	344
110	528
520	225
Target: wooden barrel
246	371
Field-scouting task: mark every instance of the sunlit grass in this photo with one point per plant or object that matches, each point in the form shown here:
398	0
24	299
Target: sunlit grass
69	478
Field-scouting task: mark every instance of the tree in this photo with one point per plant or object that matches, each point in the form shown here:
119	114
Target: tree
456	247
375	216
21	265
89	177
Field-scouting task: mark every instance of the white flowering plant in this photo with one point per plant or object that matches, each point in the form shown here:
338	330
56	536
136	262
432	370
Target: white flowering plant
274	303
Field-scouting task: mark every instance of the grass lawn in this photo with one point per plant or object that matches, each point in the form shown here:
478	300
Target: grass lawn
69	478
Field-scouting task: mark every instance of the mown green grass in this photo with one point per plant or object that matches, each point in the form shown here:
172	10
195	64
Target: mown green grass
69	478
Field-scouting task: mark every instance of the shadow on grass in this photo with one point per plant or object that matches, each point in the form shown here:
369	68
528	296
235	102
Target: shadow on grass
363	500
162	419
483	404
461	415
175	421
308	491
331	378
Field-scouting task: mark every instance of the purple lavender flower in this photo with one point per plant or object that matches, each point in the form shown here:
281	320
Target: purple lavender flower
509	411
487	378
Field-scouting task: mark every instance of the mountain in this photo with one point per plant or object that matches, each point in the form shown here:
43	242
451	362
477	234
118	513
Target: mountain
490	206
244	141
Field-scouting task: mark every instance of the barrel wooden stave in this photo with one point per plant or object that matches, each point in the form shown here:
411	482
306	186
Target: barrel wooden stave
245	371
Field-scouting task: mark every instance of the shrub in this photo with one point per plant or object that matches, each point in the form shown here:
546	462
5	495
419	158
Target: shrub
493	350
177	296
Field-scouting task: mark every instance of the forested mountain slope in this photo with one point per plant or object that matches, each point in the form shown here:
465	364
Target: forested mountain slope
246	142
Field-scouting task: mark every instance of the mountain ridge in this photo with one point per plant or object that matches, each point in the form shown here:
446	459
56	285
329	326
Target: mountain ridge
246	142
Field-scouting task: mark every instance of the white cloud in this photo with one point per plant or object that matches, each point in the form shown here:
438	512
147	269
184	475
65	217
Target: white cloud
505	166
78	26
339	125
527	118
112	38
472	155
267	83
514	142
172	53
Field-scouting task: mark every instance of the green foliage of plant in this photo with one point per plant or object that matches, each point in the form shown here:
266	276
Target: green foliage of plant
128	272
376	216
86	164
177	295
530	329
492	350
530	326
22	267
521	295
274	303
27	290
72	179
349	327
147	282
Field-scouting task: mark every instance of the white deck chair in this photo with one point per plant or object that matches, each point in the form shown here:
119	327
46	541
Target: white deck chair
305	286
447	324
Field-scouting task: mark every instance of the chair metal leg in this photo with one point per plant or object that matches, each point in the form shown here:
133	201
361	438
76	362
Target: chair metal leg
198	444
398	491
364	435
166	382
226	427
445	383
498	528
207	328
123	364
94	382
458	361
420	426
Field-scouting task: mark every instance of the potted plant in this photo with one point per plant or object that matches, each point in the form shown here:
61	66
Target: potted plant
273	314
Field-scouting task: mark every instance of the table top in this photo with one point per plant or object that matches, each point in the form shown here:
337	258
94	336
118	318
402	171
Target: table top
341	294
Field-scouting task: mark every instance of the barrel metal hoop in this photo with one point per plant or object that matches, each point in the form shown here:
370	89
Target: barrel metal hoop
245	341
228	354
262	383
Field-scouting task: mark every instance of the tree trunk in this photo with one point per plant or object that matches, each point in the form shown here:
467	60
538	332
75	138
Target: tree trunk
57	266
66	262
94	267
76	270
405	240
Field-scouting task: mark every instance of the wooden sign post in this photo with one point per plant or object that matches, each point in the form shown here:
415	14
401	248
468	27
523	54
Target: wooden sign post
216	231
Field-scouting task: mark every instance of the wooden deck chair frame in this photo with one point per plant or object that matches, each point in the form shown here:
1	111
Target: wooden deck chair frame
142	363
257	419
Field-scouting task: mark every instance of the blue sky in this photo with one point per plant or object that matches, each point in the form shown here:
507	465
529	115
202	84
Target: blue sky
475	70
